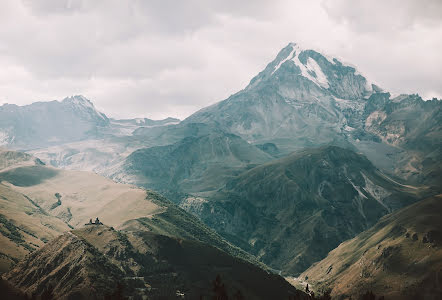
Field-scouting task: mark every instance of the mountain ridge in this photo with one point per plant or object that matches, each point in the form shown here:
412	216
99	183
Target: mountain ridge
290	212
399	257
89	262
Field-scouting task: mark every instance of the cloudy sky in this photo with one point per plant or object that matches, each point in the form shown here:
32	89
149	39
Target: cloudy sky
160	58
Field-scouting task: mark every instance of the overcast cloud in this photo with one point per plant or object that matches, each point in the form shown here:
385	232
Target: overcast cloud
169	58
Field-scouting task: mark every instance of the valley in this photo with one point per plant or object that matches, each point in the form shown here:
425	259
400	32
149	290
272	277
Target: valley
311	172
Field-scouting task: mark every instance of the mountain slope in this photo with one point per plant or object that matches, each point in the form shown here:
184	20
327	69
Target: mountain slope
296	101
292	211
24	227
76	196
306	99
37	203
196	164
88	263
400	257
414	128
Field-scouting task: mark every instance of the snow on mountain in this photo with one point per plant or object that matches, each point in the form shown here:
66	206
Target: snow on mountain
4	138
342	80
85	106
290	56
301	95
311	70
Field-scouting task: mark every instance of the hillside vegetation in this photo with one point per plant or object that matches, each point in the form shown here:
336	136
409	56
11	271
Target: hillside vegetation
291	212
400	257
95	261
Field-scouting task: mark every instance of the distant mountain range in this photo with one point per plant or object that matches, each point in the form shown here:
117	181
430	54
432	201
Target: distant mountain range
73	119
46	123
308	155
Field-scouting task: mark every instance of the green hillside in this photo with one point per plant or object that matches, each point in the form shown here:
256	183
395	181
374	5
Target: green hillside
291	212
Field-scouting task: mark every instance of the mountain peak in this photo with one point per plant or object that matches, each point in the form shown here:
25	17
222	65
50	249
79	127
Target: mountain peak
306	69
79	100
83	104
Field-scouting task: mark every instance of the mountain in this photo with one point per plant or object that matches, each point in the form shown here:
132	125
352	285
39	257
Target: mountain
291	212
146	122
47	123
400	257
77	196
309	154
38	203
306	99
413	129
199	163
72	133
298	100
24	226
10	159
96	261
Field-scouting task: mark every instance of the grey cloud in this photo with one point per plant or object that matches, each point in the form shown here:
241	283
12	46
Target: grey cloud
158	58
384	16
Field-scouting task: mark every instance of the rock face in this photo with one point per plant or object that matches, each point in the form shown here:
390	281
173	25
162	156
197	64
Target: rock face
91	262
412	126
399	258
300	96
293	211
305	99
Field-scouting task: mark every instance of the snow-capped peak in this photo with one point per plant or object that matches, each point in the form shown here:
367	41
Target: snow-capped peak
83	103
326	72
311	70
284	60
79	100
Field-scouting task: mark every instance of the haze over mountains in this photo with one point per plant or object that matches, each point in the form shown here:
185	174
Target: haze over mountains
308	155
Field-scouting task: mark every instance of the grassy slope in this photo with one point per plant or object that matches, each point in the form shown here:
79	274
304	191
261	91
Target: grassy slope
24	227
91	260
84	195
175	222
31	214
390	258
195	165
291	212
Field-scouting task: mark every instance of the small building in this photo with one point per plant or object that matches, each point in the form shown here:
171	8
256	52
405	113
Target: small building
97	222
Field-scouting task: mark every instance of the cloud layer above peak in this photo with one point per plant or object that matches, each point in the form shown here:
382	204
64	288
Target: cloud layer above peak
169	58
